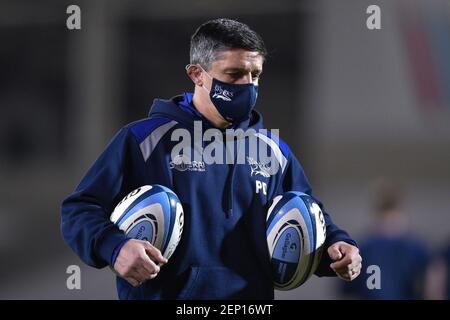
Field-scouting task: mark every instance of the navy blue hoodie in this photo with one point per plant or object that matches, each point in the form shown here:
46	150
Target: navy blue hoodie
223	250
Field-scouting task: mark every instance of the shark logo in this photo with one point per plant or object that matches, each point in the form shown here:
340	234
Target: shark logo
220	93
258	168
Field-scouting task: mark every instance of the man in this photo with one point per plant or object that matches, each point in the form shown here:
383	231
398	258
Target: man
223	251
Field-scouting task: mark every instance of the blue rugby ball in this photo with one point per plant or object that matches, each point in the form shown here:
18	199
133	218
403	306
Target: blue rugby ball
152	213
295	236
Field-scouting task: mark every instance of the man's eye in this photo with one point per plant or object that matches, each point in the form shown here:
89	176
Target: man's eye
239	75
235	75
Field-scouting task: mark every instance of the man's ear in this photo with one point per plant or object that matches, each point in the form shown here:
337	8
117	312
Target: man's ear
195	73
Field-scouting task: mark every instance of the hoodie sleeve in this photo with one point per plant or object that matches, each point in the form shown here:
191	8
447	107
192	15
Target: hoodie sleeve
85	224
295	180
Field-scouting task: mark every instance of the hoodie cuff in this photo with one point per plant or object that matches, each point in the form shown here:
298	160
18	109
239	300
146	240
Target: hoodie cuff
117	251
108	242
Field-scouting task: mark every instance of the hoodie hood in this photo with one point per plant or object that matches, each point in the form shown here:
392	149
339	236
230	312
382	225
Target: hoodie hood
181	109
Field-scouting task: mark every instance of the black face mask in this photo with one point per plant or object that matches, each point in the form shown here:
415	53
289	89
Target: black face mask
234	102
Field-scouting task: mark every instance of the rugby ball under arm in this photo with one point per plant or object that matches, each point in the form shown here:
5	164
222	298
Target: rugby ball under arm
295	230
152	213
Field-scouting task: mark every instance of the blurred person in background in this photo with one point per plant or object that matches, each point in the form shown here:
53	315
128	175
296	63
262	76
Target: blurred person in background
401	257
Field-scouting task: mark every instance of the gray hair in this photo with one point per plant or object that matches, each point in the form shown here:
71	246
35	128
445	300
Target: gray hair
219	35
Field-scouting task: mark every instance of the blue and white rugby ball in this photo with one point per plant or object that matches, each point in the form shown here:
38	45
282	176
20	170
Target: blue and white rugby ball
295	236
152	213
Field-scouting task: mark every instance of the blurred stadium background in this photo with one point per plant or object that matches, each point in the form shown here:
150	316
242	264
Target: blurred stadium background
353	104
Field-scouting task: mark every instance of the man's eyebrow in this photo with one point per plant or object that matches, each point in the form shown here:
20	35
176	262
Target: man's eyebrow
236	69
241	69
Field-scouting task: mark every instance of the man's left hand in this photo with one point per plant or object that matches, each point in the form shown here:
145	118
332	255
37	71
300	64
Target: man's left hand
347	261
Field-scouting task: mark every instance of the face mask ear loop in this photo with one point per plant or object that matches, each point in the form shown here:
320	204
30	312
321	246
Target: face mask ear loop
203	86
188	66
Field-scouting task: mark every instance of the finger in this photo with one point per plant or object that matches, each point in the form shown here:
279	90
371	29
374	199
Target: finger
334	253
358	268
138	273
352	264
349	274
149	265
341	263
346	272
144	272
353	276
348	249
343	270
154	253
153	276
141	274
355	264
356	257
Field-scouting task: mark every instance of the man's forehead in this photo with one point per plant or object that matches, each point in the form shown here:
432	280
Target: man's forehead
239	59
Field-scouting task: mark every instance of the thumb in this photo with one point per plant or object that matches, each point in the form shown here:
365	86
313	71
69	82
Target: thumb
334	252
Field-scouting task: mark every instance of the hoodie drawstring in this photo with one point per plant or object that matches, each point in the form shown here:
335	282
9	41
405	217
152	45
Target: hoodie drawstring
231	192
230	188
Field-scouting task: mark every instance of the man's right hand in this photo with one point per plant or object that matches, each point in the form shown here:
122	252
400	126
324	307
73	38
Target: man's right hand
138	261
